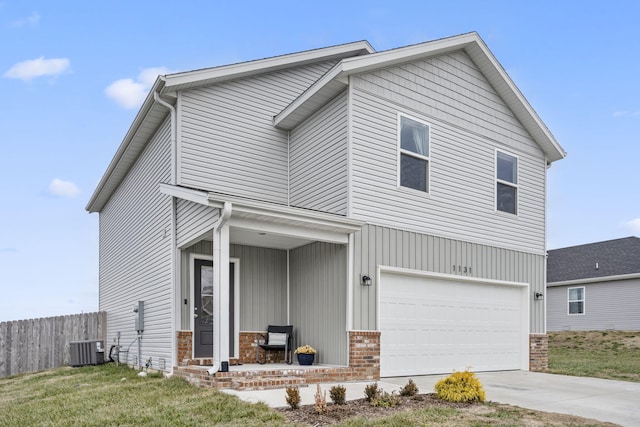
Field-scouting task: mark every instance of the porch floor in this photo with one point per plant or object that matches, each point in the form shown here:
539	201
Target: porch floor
252	367
264	377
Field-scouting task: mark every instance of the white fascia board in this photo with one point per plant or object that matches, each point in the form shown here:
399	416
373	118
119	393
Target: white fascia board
297	111
243	69
288	118
269	212
409	53
326	89
196	196
281	212
594	280
498	77
103	191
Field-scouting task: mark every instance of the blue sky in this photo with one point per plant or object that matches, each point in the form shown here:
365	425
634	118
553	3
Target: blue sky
72	75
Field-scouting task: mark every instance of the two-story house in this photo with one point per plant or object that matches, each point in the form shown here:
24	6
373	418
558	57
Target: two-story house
389	205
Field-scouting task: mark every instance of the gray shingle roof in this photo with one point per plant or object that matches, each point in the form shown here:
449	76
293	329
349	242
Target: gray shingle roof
614	257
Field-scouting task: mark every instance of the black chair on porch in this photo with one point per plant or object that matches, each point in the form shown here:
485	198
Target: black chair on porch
277	338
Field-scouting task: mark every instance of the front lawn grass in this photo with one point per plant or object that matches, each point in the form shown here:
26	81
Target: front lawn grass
601	354
109	395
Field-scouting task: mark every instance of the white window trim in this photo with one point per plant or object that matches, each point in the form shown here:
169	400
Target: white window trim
510	184
583	300
401	151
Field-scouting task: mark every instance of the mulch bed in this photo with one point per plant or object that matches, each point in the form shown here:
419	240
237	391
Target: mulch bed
337	413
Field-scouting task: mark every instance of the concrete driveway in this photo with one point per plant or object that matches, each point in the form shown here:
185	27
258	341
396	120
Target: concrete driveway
605	400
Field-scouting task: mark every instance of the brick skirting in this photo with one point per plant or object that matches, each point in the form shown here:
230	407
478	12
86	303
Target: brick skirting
364	365
185	350
538	352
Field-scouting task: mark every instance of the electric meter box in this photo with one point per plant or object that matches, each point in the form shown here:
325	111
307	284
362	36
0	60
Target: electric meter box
139	311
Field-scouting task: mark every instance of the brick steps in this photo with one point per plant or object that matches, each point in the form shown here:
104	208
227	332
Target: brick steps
267	383
262	379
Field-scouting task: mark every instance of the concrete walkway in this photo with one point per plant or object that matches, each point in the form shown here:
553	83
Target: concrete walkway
605	400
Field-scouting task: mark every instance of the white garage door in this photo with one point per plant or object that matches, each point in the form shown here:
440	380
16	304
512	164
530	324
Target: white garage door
433	324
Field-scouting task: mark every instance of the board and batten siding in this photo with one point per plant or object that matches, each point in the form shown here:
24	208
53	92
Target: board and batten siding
228	143
468	122
318	156
376	246
318	299
607	306
135	255
263	284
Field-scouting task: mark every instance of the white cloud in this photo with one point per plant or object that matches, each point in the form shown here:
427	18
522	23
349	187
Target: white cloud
32	68
633	226
130	93
61	188
32	20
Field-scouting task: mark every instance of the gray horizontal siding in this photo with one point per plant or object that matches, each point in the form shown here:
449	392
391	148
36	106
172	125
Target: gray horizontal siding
468	122
383	246
193	221
319	160
135	255
608	305
228	141
319	299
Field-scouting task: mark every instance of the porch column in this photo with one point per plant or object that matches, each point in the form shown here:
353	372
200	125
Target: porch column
221	287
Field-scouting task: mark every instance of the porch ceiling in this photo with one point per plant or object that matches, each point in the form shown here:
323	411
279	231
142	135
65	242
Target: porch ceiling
271	225
241	236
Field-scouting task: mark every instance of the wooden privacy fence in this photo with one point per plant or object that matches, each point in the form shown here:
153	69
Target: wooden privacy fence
38	344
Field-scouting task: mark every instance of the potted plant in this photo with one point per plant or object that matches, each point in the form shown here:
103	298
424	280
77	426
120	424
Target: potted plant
305	354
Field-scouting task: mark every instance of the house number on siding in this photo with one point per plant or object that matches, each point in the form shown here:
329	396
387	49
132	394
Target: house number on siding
461	269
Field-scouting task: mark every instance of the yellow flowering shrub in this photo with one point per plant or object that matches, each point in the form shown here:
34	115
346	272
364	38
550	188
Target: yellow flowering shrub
460	387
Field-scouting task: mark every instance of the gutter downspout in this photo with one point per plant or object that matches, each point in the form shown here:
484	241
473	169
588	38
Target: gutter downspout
218	278
173	231
172	110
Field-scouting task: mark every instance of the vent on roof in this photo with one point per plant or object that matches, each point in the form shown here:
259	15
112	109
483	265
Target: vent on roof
85	353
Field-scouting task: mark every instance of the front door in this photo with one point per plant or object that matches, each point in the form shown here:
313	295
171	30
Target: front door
203	308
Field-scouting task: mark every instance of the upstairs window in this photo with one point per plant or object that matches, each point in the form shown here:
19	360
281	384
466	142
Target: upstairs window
576	300
506	183
413	141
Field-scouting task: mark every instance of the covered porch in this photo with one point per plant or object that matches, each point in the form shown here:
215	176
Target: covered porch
286	266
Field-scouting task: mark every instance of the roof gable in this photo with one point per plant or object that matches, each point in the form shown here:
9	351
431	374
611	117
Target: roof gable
152	113
337	79
602	259
207	76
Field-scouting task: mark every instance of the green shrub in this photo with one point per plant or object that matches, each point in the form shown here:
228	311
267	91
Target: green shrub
293	397
338	394
460	387
410	389
385	400
371	391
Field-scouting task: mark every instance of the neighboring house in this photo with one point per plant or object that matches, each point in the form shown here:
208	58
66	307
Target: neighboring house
594	287
264	192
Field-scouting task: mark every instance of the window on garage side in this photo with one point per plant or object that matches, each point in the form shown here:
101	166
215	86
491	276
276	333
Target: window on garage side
413	153
506	183
576	300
